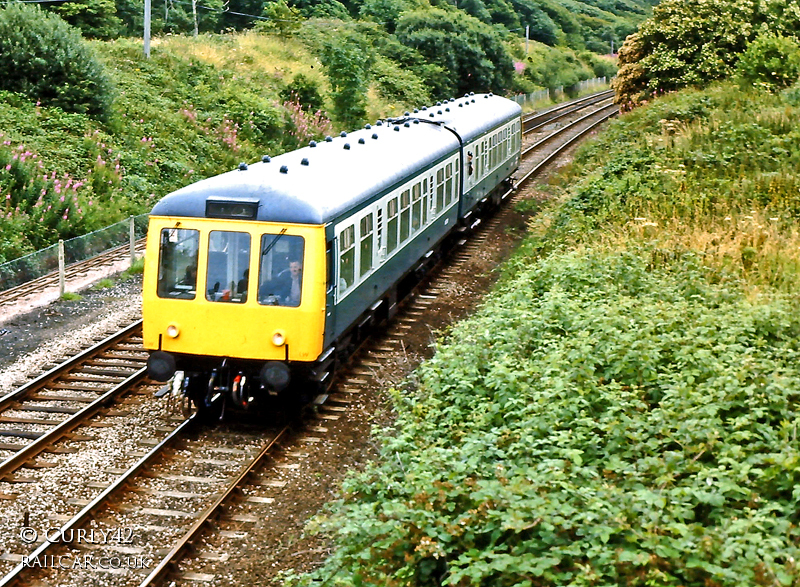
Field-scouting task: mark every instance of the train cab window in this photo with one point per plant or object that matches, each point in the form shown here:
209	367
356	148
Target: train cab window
227	274
416	207
177	263
391	225
448	190
405	214
347	259
439	190
365	236
280	270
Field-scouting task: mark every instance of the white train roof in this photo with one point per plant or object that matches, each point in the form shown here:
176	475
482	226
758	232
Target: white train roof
316	184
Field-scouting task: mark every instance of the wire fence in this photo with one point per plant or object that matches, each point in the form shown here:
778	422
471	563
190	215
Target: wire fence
80	248
558	93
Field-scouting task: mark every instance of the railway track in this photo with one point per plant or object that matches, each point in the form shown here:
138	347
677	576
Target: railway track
158	498
73	272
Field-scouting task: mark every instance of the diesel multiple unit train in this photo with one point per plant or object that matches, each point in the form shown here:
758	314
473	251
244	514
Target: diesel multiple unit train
260	281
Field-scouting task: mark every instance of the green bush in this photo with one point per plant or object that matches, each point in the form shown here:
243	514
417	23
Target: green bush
771	62
47	60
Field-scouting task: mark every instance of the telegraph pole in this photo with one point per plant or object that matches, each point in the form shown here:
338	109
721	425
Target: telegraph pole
147	28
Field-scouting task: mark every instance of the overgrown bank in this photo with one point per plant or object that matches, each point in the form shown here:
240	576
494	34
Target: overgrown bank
623	411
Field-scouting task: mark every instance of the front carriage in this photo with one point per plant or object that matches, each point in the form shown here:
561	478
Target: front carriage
260	280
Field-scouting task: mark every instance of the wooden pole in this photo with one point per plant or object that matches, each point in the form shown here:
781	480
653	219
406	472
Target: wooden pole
61	268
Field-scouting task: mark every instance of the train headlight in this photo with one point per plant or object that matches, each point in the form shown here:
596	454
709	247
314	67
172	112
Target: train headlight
276	375
160	366
278	338
173	331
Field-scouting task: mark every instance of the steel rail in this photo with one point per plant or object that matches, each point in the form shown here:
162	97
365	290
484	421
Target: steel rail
14	576
556	110
538	167
168	563
71	270
42	443
60	370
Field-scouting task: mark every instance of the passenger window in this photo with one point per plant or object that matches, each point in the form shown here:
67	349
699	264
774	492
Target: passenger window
416	209
424	202
227	274
280	274
448	191
365	235
177	263
405	214
347	259
439	190
391	225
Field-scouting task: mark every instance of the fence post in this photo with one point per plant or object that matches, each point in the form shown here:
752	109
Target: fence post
61	272
133	241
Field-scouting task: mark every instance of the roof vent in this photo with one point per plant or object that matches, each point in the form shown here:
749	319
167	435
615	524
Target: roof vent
407	124
440	111
328	139
375	136
361	141
473	100
368	126
379	123
472	93
342	134
284	169
447	110
347	146
452	99
406	113
486	96
397	128
416	110
424	108
460	105
438	103
312	144
242	166
265	159
304	161
431	114
491	94
416	121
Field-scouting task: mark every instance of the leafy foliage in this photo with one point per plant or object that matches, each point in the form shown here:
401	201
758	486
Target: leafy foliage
598	423
771	62
348	59
470	53
47	60
695	42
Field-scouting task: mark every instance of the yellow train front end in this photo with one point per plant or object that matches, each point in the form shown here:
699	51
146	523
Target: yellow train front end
235	307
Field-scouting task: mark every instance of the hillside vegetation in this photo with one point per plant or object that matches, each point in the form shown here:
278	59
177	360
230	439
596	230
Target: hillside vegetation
92	131
624	408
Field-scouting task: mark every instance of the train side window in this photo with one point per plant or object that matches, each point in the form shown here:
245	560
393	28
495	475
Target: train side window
391	225
227	272
177	263
280	278
347	259
416	207
405	214
448	190
365	236
439	190
424	202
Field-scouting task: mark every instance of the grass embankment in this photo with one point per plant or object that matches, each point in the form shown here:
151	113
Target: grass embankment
196	108
623	410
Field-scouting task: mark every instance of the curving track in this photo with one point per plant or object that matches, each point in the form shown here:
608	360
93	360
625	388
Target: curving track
159	497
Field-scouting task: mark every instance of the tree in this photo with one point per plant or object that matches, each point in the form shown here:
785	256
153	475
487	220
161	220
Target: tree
771	62
347	58
470	53
95	18
693	42
46	59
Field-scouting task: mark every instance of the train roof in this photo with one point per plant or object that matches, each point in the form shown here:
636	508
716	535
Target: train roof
318	183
